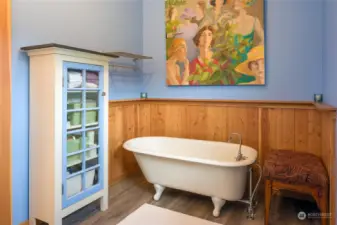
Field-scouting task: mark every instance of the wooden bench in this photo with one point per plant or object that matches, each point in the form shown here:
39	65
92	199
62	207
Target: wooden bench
299	172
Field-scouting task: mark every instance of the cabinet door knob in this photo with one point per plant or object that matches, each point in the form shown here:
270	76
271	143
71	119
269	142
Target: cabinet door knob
103	93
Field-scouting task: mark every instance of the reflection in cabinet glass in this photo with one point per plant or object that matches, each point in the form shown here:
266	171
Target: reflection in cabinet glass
83	126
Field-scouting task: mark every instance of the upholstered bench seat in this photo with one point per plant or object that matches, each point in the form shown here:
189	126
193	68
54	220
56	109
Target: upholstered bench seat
295	168
295	171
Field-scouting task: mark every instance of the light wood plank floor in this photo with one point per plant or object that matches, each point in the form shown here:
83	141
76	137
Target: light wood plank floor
132	192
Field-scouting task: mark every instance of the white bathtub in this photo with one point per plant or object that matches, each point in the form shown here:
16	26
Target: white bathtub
203	167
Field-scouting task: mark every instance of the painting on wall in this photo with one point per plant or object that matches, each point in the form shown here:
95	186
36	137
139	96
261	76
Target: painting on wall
214	42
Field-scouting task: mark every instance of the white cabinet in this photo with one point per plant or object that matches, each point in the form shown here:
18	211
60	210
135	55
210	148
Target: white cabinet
68	130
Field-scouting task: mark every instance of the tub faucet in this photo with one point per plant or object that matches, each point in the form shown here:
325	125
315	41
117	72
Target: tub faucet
239	156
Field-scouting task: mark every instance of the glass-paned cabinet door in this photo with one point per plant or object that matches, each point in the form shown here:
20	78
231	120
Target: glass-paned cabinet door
82	131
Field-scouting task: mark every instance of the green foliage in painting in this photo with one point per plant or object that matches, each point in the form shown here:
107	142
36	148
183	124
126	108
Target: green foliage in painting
231	48
212	74
172	26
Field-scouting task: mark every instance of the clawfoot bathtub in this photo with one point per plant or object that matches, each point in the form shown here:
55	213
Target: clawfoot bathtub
207	168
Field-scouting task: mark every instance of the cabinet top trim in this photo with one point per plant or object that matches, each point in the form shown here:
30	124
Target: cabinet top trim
54	45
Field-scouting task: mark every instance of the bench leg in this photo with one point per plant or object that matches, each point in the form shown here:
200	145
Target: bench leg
323	206
268	195
322	203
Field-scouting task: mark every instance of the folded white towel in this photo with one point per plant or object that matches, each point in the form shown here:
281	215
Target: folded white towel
92	85
75	76
75	84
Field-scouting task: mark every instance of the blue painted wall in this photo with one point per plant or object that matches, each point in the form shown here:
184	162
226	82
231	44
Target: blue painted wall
330	54
294	37
95	24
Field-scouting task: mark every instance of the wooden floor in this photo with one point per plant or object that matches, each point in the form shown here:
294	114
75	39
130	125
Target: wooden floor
131	193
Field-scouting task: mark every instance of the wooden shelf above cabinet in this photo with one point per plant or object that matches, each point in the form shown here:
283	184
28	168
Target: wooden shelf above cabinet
129	55
134	57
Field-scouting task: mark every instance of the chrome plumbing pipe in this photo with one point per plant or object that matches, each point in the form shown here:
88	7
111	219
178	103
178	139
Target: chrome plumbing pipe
252	193
239	156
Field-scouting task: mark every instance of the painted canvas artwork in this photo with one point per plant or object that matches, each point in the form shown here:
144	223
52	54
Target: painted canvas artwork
215	42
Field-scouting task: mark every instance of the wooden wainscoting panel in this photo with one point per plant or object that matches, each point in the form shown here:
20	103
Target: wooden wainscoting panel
175	121
216	123
308	131
196	121
244	121
116	151
325	145
130	131
314	132
265	133
158	117
329	156
144	119
281	129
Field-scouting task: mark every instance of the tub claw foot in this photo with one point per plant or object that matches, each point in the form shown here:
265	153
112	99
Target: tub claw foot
159	191
218	203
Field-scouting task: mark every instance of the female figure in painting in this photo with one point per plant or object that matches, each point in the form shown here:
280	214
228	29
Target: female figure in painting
204	15
219	12
200	17
254	65
242	29
171	26
245	24
217	8
187	31
177	53
203	67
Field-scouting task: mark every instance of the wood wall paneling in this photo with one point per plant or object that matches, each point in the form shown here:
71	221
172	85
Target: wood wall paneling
244	120
281	129
157	121
123	125
116	152
175	121
308	131
216	128
264	133
144	119
328	120
196	121
5	113
296	127
130	131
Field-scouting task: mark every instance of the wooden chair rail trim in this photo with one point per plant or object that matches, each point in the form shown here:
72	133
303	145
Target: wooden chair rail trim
237	103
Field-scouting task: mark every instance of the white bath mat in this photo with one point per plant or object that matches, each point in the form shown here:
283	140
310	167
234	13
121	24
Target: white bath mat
153	215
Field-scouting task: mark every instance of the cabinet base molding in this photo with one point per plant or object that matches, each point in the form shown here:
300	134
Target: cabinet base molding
92	198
